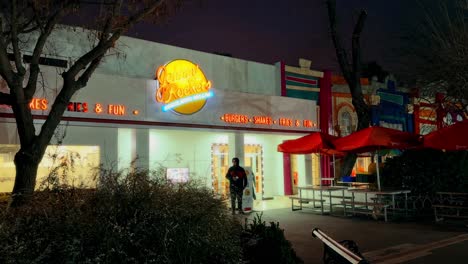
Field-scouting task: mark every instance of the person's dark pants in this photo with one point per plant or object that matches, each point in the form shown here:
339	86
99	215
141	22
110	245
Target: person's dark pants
236	194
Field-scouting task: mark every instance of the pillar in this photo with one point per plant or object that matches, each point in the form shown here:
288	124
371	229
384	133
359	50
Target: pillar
142	148
239	147
325	102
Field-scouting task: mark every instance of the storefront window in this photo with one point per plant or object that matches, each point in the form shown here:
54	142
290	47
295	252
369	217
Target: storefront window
63	165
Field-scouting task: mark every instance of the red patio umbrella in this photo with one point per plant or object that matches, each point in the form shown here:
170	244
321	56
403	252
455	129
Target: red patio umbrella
315	142
449	138
375	138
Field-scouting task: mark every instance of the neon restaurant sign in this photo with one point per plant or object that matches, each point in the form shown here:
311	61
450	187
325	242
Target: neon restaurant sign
182	87
235	118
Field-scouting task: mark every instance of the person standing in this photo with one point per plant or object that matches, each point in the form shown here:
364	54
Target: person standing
237	182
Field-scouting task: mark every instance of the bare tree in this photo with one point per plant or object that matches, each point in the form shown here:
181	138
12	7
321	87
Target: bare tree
35	20
351	72
435	52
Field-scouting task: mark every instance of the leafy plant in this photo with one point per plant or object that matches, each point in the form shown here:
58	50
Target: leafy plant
426	172
264	243
131	217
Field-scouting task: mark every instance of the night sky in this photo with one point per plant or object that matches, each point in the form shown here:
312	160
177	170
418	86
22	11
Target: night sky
269	31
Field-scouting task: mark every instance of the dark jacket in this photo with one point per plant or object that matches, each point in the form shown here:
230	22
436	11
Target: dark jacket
237	177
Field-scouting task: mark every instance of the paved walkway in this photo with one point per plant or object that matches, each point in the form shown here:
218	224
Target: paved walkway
379	241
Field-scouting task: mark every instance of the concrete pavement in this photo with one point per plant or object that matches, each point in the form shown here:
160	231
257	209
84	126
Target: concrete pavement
379	241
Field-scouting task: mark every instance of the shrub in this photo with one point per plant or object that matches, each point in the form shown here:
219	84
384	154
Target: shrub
128	218
267	244
425	172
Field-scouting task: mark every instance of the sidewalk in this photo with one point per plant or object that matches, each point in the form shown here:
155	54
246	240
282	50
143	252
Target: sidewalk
379	241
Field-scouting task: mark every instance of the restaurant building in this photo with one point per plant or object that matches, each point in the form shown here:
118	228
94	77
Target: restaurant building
161	106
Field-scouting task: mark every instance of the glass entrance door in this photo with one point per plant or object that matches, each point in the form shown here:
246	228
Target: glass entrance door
294	174
254	160
220	164
219	167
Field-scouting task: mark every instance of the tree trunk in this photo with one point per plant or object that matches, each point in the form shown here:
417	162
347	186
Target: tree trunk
352	74
363	113
26	165
347	164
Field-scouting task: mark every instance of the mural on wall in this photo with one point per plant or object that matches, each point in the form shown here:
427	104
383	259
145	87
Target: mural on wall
434	113
389	105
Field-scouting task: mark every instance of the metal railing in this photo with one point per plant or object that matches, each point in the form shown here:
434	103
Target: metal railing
345	251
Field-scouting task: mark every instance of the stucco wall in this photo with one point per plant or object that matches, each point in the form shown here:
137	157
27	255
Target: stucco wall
140	58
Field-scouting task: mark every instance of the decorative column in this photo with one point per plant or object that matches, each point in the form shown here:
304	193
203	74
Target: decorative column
325	120
142	148
287	174
239	147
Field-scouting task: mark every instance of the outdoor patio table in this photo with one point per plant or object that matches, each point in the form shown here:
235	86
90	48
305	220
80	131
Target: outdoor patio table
321	189
391	193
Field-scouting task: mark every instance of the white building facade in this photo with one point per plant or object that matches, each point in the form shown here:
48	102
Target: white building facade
117	118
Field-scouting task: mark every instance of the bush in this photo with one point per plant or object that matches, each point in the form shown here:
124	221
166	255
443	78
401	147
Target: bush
128	218
267	244
425	172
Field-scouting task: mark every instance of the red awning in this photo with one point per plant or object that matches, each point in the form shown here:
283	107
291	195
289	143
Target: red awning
316	142
375	138
449	138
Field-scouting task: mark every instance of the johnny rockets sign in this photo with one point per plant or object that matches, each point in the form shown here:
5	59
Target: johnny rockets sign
182	87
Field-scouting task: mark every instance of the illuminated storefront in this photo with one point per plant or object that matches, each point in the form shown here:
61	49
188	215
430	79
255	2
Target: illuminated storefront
186	116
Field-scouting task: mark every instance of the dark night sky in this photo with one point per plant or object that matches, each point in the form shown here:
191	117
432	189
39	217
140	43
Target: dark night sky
268	31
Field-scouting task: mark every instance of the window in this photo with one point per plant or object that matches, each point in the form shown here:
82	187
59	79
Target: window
346	123
72	165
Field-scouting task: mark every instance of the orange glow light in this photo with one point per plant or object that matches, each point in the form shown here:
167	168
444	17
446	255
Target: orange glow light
39	104
266	120
285	122
98	108
263	120
235	118
116	109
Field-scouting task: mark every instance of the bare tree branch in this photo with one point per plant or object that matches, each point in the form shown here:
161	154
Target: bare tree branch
39	47
55	114
351	73
14	40
84	78
103	46
40	24
43	16
6	70
340	51
90	62
356	47
436	55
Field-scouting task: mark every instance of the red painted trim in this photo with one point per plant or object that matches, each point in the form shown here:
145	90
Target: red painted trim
287	174
325	169
283	78
154	123
296	79
337	94
326	118
416	119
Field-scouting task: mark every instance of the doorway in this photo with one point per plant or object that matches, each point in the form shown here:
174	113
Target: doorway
220	163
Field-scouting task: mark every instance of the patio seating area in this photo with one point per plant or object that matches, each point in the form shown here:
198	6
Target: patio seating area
352	201
366	198
451	205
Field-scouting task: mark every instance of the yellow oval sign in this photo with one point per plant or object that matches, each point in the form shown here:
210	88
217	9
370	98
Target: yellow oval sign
182	87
